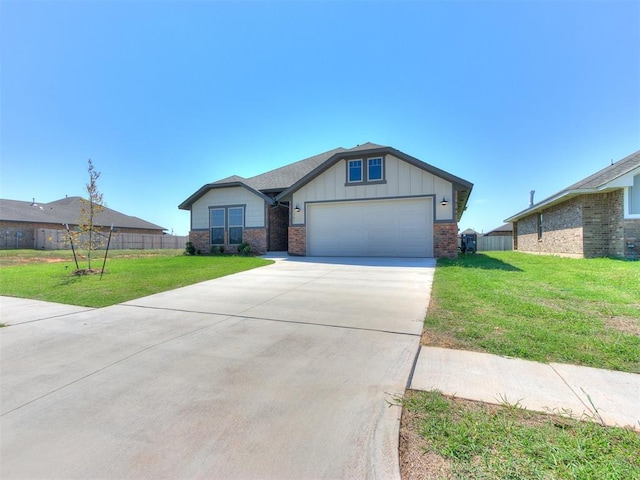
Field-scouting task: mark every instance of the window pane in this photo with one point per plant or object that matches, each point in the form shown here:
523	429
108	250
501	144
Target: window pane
355	170
375	169
235	235
634	196
236	217
217	217
217	236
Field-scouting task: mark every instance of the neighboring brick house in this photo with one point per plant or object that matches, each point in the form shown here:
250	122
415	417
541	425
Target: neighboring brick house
505	230
597	217
369	200
21	221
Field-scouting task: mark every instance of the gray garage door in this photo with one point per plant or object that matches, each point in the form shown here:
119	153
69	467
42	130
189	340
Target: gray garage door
373	228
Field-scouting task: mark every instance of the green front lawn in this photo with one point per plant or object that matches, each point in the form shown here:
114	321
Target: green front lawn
453	438
45	275
541	308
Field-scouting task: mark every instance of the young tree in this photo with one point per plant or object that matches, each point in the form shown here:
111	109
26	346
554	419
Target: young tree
88	236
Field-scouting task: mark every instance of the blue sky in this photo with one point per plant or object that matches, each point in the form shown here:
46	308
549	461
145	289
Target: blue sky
166	96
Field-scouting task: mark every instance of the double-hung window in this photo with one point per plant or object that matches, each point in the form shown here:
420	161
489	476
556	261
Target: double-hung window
369	170
229	221
217	226
236	224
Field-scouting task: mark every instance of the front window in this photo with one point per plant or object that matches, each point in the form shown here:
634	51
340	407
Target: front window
236	225
355	171
374	169
226	222
217	226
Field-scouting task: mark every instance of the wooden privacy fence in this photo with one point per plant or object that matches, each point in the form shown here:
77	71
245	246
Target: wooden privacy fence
492	243
56	240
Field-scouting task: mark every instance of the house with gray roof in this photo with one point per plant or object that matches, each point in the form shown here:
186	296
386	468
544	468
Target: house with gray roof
369	200
20	221
599	216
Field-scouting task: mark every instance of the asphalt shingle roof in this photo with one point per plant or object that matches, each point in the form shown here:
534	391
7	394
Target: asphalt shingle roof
589	184
66	210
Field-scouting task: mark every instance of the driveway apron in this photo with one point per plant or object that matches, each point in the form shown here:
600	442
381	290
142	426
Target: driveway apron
286	371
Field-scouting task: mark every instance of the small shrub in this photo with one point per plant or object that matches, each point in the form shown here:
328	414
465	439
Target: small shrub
217	250
244	249
190	249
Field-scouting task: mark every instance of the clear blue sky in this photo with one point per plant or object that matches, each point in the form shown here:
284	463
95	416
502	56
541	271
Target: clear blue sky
167	96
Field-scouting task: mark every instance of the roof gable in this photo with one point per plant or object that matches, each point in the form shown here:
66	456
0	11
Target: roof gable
285	180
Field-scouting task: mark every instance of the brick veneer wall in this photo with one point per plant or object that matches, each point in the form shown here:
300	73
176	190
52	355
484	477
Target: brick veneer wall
278	218
201	240
584	226
445	240
297	240
632	235
257	239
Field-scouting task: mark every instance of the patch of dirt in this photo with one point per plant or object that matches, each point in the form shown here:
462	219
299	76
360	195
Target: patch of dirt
56	260
417	462
87	271
439	340
624	324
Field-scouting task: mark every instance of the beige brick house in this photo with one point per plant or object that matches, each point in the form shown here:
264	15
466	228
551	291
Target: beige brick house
369	200
598	216
22	222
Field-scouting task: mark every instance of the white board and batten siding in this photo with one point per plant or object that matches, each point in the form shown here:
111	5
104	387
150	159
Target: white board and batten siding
394	218
402	180
232	196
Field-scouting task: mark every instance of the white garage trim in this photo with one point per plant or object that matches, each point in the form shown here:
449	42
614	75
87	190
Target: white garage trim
371	228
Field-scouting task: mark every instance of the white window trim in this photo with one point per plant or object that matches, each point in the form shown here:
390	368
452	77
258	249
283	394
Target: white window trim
628	215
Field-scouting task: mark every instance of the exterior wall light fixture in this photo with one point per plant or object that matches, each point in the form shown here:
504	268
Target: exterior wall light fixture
444	202
297	208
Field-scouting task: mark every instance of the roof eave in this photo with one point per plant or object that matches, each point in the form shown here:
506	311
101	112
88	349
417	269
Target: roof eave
458	183
188	203
553	200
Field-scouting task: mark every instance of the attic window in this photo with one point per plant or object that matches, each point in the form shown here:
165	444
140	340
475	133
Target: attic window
363	171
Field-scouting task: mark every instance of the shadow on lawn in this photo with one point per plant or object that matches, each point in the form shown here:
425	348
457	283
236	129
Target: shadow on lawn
477	260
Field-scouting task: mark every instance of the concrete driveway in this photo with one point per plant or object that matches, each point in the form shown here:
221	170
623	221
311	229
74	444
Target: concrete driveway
285	371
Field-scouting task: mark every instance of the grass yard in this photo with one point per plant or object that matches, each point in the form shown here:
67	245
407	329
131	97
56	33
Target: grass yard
541	308
447	438
46	275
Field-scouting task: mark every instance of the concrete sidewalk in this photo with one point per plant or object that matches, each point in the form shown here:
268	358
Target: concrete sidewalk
607	396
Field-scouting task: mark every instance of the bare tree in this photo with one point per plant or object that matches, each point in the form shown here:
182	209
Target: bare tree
88	236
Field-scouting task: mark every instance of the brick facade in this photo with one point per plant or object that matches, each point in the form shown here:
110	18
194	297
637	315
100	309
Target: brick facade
298	240
585	226
278	219
445	240
201	241
257	239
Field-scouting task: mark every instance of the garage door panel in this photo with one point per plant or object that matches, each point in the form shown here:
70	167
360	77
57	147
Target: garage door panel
402	228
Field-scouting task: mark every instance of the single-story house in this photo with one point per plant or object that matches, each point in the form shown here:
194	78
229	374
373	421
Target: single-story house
21	221
370	200
597	217
505	230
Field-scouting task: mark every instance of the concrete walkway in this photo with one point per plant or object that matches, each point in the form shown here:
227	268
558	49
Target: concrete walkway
606	396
